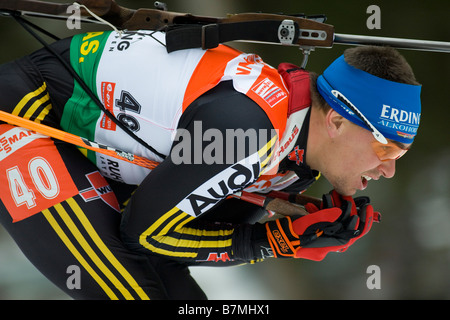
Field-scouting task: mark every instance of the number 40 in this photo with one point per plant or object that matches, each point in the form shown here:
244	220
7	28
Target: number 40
44	180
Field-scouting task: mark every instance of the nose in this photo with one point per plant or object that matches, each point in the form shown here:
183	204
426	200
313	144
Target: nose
387	168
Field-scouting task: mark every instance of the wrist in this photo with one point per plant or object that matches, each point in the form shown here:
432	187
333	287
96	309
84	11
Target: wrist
250	243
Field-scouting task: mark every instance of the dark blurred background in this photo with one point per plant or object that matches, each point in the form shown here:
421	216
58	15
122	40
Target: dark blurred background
412	244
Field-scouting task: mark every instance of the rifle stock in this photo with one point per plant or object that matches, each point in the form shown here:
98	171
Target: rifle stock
312	33
280	202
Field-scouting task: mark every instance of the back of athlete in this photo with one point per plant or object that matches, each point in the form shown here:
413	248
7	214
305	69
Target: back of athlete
61	205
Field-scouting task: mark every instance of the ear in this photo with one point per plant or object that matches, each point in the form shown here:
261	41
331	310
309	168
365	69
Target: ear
333	122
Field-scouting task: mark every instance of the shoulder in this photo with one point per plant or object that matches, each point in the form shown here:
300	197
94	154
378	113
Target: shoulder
225	108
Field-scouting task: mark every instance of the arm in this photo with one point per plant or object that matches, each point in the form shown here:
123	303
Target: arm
165	214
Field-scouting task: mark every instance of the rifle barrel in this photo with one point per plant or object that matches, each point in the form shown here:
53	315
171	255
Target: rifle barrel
399	43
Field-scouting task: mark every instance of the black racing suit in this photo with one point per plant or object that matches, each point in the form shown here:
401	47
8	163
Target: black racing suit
126	248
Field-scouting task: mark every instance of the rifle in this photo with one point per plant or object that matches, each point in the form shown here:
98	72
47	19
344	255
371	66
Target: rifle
206	32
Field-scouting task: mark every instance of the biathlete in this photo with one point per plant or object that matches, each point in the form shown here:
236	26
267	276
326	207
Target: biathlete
219	122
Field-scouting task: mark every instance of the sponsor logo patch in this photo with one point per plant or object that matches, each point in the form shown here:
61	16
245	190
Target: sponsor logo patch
230	180
99	190
107	95
297	155
269	92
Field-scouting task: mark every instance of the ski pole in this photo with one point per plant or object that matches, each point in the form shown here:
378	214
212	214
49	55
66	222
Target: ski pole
76	140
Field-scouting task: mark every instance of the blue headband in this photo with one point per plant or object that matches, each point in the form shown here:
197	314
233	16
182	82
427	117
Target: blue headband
382	106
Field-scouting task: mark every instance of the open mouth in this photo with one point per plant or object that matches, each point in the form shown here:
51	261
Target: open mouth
365	181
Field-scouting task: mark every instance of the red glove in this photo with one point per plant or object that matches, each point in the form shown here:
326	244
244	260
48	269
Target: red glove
333	228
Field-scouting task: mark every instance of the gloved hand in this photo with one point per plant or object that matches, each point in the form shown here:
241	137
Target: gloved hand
332	228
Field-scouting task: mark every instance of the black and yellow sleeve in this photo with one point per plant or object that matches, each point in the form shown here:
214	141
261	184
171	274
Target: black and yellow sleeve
172	213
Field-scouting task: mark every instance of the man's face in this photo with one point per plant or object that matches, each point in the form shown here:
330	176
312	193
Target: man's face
350	161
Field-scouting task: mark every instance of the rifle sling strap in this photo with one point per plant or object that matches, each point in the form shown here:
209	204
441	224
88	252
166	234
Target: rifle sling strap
209	36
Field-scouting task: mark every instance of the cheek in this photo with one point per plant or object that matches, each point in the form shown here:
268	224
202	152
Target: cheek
357	164
356	156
